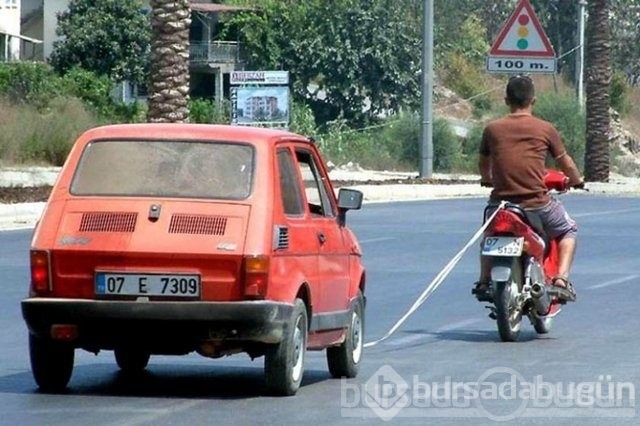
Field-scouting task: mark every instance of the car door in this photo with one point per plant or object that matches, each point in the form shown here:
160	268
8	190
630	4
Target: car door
296	254
333	259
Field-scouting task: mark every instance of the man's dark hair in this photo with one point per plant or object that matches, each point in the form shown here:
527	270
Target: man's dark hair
520	91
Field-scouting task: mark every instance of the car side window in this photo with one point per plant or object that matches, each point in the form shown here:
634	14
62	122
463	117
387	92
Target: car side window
289	184
315	187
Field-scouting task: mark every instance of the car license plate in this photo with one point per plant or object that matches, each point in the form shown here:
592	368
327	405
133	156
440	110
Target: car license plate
130	284
502	246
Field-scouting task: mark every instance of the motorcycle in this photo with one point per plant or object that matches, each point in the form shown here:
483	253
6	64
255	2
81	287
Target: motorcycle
523	262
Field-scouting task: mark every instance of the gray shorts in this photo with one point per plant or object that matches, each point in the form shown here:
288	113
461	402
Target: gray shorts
556	221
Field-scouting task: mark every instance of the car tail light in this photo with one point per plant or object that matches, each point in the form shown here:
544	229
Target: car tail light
256	275
64	332
40	272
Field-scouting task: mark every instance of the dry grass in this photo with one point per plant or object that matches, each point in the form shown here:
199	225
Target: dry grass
631	121
28	136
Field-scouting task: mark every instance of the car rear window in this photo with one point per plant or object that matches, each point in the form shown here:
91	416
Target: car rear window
165	169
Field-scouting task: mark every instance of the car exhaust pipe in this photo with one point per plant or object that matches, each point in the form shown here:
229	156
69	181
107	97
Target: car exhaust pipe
541	299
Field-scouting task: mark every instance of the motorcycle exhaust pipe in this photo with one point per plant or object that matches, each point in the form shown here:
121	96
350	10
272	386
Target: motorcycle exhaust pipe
541	299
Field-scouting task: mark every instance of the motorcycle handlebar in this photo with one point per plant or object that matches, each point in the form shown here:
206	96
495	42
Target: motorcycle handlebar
553	180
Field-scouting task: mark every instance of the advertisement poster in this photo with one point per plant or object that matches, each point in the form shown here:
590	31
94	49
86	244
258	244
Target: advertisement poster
266	106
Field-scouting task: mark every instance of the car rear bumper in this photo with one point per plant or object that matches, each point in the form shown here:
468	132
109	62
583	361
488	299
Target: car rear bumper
101	322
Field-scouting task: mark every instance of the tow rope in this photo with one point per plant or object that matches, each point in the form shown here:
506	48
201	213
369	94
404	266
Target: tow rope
435	283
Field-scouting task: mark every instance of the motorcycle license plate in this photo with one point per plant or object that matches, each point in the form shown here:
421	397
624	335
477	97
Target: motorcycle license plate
502	246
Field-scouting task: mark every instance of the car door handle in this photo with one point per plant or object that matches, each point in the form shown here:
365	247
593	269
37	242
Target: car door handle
322	238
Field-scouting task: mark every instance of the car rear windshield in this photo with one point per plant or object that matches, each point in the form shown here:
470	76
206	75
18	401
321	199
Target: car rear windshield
163	168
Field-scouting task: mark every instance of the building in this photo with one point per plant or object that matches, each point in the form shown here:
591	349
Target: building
211	59
14	45
260	106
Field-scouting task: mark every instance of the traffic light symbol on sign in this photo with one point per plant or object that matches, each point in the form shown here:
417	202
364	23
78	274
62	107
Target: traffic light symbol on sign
522	35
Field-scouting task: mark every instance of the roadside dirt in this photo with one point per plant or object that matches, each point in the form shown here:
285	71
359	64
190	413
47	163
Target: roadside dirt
12	195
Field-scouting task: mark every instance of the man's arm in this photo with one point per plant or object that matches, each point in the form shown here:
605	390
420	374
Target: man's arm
484	165
568	166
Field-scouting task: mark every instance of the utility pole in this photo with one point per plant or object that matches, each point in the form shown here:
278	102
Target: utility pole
426	132
580	56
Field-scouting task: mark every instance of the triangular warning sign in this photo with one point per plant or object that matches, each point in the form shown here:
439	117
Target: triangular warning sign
522	35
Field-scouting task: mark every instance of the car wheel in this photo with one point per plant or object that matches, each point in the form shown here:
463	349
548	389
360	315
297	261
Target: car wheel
284	361
344	360
51	363
131	360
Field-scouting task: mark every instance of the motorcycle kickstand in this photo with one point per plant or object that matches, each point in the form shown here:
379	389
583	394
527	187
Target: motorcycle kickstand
493	315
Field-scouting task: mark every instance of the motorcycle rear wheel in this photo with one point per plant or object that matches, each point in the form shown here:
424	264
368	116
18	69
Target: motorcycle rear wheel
508	313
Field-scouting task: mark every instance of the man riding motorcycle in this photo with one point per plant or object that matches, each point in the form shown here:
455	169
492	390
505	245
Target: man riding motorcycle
512	158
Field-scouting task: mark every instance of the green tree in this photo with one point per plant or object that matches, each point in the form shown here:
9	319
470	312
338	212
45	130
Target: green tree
108	37
625	30
351	59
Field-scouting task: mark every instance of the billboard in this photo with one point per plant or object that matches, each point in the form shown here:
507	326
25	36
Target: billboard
260	98
264	106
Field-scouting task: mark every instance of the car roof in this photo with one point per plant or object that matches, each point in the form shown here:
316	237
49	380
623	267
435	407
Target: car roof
187	131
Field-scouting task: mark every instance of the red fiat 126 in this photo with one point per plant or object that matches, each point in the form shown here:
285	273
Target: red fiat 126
173	238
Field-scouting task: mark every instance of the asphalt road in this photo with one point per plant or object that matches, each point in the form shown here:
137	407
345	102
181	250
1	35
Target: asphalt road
574	374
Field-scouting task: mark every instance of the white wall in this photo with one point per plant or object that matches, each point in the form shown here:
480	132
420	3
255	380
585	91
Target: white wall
10	24
50	21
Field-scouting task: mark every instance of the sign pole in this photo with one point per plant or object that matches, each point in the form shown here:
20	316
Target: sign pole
426	132
580	56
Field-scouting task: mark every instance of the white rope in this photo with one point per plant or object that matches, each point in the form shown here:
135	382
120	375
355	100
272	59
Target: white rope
437	280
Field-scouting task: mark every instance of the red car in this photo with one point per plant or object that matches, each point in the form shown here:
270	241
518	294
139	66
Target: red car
173	238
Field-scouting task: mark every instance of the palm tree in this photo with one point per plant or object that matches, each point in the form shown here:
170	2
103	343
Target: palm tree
169	61
598	78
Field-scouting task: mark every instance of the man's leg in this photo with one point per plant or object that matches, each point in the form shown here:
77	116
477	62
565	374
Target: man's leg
566	251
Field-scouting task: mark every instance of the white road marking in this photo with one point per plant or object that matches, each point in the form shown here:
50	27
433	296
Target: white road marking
459	324
614	282
375	240
604	213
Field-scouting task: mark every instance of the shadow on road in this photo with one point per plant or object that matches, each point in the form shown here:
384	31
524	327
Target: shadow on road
162	380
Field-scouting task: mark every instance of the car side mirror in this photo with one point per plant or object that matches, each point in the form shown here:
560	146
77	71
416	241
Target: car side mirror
349	199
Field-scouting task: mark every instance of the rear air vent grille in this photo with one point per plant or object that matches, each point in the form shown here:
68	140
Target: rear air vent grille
197	224
281	237
108	222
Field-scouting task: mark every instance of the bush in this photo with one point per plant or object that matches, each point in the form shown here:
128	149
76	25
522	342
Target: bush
467	80
34	83
303	120
208	111
394	145
565	113
94	90
619	93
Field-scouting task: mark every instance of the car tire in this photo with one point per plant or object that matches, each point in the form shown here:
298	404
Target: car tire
344	360
284	361
51	363
131	360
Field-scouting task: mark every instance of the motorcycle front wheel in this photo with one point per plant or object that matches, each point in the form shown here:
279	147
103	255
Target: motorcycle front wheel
508	313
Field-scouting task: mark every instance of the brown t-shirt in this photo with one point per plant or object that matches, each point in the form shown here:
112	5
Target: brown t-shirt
518	145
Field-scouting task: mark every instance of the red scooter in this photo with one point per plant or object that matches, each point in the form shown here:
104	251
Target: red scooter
523	261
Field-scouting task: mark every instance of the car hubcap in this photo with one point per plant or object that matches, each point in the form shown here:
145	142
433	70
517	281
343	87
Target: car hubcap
298	351
356	337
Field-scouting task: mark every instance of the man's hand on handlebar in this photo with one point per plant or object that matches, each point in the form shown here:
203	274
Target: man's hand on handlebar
579	185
